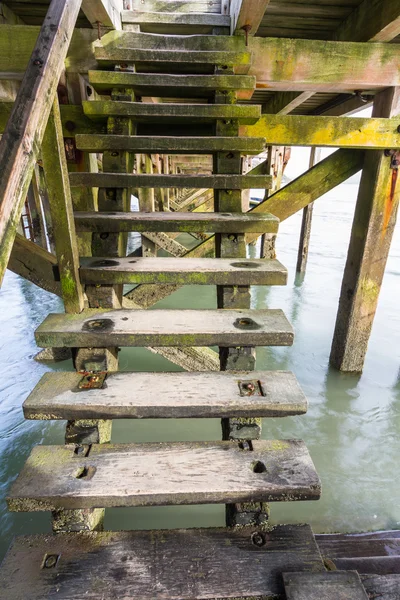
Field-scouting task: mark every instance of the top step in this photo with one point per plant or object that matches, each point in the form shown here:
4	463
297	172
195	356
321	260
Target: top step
175	23
177	6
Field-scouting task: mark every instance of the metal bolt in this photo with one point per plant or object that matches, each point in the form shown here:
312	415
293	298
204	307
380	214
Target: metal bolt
249	386
50	561
232	237
38	63
258	539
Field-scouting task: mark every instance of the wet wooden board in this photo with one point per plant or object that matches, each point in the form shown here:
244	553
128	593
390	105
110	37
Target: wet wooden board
159	474
216	182
382	587
171	113
356	547
154	395
191	222
160	84
97	328
380	565
191	271
194	564
334	585
170	145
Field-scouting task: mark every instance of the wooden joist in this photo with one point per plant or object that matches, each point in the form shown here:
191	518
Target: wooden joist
346	132
105	12
170	113
176	222
333	585
377	21
122	180
172	145
247	15
152	565
195	271
300	65
98	328
149	84
154	474
20	143
154	396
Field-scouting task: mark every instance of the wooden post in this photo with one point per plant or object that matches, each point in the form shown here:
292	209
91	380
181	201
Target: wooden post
25	128
146	200
305	232
373	225
276	162
56	173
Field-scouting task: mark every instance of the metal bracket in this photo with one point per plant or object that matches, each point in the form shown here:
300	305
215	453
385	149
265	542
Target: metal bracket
92	381
250	387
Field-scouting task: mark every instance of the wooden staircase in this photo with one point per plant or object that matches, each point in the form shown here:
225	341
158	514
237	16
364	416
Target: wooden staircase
77	480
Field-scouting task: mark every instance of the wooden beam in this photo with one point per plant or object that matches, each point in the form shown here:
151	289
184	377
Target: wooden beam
19	146
300	65
56	174
305	232
371	21
372	231
344	132
347	107
283	103
18	41
247	14
35	264
104	12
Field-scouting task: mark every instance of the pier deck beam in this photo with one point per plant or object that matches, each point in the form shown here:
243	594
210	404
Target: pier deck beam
373	225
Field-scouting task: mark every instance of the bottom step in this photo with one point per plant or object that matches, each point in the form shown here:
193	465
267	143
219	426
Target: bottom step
157	565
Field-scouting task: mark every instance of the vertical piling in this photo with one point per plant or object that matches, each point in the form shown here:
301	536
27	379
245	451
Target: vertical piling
305	232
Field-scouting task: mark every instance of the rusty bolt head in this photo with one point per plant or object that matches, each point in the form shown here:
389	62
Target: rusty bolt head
38	63
249	386
258	538
50	561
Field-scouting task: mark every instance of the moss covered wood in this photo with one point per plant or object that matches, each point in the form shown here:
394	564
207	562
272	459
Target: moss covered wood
56	174
247	15
20	143
120	180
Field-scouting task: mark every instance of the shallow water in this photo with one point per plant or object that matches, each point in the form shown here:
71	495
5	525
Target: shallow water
352	428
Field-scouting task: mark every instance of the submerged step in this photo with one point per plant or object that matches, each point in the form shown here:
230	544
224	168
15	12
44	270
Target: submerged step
167	327
190	222
190	271
170	145
155	565
159	474
72	395
334	585
144	112
160	84
216	182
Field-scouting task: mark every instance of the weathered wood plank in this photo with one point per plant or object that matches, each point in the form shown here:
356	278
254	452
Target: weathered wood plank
175	221
97	328
175	113
321	131
247	14
355	547
105	12
149	84
376	21
120	180
24	131
334	585
154	396
35	264
195	271
301	65
305	232
56	174
378	565
175	145
170	18
153	474
384	587
176	6
148	41
154	564
283	103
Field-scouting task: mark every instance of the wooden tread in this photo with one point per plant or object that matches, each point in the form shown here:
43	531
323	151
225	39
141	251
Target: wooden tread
144	112
195	564
191	271
190	222
135	17
171	145
164	85
160	474
97	328
178	43
334	585
61	395
216	182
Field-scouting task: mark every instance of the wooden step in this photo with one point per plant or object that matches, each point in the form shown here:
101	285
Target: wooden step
191	271
169	145
195	564
143	112
190	222
69	396
334	585
173	86
148	59
159	474
216	182
177	43
97	328
184	6
171	22
382	587
380	565
355	547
